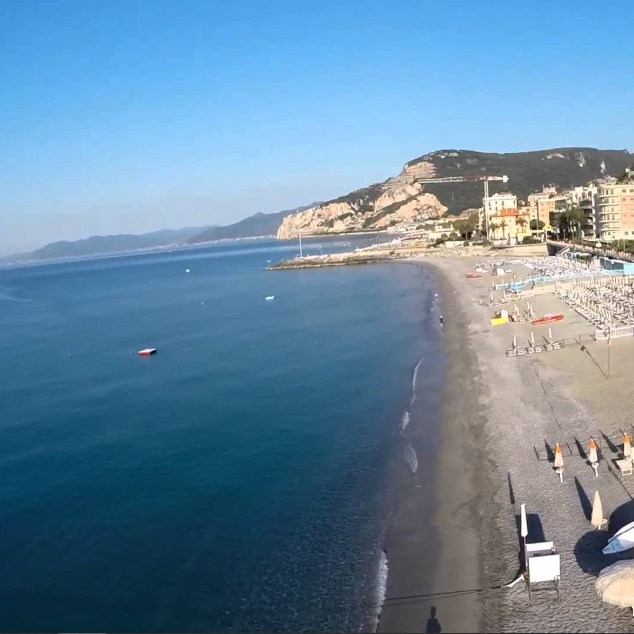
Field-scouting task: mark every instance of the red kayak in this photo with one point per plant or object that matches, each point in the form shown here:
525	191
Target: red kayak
473	276
547	319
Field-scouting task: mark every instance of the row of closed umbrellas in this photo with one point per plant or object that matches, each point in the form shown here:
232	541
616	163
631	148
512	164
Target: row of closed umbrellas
593	456
615	584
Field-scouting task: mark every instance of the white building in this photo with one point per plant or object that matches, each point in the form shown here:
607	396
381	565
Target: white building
493	205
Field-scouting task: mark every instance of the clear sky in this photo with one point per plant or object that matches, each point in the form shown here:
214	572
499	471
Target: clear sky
128	116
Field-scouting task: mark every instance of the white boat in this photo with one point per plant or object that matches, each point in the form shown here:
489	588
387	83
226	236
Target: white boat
621	540
269	298
187	271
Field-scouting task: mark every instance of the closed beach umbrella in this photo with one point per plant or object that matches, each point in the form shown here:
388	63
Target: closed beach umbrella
523	522
593	451
615	584
597	520
627	447
559	459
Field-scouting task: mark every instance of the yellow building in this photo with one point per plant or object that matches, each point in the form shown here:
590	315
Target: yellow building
510	225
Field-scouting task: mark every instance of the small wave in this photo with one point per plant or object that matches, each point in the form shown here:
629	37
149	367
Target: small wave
8	297
414	377
411	458
404	420
381	586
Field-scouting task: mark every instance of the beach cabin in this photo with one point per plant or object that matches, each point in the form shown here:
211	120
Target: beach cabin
619	267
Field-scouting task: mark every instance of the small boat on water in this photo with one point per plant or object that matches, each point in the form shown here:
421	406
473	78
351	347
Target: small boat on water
269	298
547	319
622	540
147	352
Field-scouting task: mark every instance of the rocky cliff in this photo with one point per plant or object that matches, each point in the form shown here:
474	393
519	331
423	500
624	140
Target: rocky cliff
404	198
373	208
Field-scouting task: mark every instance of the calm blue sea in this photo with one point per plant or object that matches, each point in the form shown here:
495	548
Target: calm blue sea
242	478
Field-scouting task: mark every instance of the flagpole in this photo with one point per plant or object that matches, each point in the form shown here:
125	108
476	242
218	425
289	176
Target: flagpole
609	346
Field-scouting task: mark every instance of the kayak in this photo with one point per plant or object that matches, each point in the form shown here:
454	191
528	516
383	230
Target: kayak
621	540
547	319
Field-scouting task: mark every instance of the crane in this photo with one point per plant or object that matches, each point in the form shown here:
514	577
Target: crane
464	179
467	179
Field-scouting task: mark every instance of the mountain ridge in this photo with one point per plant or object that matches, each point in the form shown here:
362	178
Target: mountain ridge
255	226
405	199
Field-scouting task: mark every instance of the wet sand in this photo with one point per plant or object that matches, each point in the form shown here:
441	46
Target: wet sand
501	419
433	556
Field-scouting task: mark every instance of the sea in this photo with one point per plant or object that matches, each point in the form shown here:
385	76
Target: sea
241	479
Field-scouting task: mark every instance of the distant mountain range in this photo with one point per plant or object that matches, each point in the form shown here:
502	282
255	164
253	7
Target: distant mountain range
407	199
258	225
114	244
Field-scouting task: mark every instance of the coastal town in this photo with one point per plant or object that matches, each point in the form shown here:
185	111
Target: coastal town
537	511
598	214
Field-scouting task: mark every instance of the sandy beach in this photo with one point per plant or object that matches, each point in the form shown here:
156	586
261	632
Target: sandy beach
501	418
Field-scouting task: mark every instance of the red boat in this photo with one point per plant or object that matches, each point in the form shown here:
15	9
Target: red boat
473	276
147	352
547	319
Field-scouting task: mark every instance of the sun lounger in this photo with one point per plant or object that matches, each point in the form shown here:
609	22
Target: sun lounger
625	466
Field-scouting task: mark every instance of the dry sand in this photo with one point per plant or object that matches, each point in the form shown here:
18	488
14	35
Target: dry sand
502	417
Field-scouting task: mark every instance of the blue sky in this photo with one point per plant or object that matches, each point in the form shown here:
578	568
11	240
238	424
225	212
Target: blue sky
133	116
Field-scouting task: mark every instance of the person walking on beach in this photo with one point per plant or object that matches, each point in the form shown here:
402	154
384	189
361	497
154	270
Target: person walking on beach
442	320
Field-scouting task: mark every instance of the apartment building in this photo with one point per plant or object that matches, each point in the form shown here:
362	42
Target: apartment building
615	211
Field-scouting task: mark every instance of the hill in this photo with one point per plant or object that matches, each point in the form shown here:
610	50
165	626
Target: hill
113	244
404	198
255	226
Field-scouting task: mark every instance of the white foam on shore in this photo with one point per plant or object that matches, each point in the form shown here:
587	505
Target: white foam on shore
406	416
381	586
411	458
414	377
380	592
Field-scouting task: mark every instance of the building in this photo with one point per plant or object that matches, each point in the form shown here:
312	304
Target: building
615	211
543	205
493	205
509	226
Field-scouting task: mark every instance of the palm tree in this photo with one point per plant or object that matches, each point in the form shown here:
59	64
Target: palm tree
494	227
521	222
503	225
574	218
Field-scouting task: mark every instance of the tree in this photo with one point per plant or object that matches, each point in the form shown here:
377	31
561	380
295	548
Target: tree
503	225
573	218
467	226
537	225
494	226
521	222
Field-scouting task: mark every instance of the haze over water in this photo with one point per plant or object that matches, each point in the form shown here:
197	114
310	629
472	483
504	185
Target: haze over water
242	478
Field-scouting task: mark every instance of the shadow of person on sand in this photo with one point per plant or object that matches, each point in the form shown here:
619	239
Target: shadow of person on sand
588	550
433	624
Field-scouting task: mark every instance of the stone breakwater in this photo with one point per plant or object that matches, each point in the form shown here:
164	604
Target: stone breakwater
370	257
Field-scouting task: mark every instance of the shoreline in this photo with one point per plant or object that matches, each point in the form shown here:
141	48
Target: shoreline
497	454
441	577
